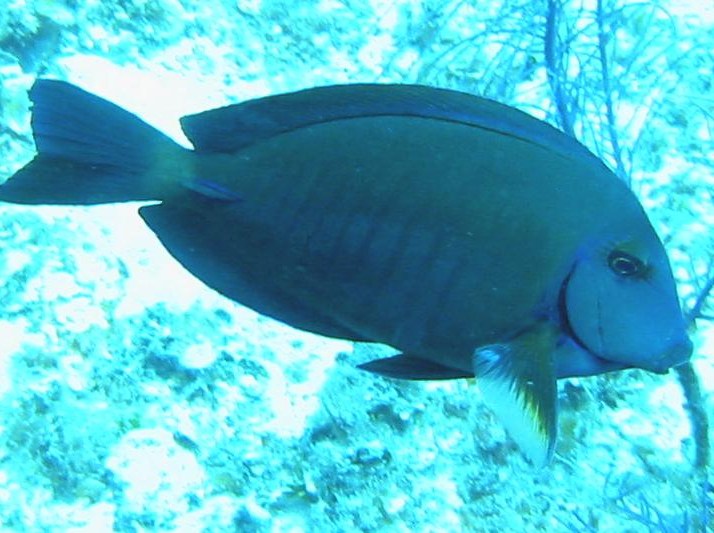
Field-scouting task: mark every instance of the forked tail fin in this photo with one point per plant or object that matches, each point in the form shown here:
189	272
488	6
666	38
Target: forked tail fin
89	151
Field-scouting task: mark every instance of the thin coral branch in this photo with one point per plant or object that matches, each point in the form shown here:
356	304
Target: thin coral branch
695	311
697	414
553	61
607	93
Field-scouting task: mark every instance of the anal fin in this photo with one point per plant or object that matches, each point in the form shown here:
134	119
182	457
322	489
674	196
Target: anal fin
410	367
205	241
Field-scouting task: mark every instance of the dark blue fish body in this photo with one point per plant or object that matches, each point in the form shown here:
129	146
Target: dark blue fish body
473	238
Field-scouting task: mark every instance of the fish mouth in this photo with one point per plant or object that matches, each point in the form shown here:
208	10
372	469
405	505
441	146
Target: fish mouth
675	356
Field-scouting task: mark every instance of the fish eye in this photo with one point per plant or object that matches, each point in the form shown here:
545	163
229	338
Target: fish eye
624	264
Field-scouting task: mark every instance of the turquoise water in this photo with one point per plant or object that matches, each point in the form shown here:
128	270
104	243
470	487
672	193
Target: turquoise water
136	399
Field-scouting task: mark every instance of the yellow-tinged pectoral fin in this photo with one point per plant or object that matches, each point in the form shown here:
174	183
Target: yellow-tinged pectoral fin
518	382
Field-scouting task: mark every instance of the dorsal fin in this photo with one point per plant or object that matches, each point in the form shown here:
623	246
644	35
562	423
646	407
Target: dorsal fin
228	129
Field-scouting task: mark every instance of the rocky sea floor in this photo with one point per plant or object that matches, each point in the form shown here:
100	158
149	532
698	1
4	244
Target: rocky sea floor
136	399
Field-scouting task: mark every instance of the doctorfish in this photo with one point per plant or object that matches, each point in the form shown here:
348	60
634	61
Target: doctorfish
471	237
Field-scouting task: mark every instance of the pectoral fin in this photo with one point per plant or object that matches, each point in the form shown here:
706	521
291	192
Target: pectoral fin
518	383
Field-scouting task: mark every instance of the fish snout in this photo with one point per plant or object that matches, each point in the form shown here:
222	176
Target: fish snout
676	355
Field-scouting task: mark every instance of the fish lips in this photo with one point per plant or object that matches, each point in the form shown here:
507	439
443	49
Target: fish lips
677	355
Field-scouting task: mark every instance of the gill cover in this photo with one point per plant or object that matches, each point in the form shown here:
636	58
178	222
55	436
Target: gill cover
622	306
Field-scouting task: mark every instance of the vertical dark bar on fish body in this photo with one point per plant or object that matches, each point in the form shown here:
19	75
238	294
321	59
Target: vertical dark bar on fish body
331	211
449	278
407	244
373	213
290	204
413	294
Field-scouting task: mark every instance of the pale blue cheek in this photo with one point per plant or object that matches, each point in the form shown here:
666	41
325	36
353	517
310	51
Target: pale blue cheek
572	360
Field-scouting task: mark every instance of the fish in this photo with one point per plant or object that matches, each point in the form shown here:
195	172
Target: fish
474	239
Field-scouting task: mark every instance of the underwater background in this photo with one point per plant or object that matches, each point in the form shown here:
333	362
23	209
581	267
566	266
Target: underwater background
136	399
